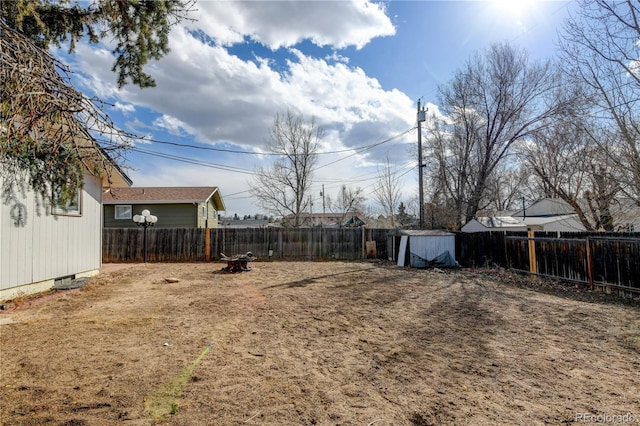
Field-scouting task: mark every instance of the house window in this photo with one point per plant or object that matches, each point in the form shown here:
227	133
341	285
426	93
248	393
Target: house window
122	212
71	208
203	212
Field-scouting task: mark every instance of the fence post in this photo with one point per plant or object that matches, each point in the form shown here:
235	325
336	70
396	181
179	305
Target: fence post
207	244
507	260
589	264
532	253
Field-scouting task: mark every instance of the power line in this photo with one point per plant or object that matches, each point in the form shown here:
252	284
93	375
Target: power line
195	162
234	151
368	148
188	160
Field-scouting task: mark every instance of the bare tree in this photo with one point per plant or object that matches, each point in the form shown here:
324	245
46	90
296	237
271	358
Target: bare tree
348	202
387	191
439	213
282	188
450	169
568	163
493	102
600	47
507	186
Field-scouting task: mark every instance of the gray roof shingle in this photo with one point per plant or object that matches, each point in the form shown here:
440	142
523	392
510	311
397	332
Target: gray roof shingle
177	194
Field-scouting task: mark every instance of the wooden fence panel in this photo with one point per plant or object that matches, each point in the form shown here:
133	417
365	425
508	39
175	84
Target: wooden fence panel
617	261
175	244
240	241
481	249
122	245
163	244
614	257
188	244
517	253
562	258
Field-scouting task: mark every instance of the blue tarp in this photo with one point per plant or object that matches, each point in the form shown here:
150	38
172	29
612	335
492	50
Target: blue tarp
442	260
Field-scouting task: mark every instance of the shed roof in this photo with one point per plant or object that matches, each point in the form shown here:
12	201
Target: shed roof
546	220
163	195
500	222
546	207
426	232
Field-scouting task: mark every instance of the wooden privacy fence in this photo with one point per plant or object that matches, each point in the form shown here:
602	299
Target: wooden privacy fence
189	244
163	244
595	259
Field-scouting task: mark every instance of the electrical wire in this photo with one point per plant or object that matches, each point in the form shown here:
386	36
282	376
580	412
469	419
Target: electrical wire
234	151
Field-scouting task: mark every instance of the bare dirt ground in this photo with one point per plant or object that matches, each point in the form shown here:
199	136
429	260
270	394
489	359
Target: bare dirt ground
318	343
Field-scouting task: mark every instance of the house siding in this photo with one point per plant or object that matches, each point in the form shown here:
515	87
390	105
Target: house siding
474	226
169	215
49	246
212	216
565	225
211	220
185	215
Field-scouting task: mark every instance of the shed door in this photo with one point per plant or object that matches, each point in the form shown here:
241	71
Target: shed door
403	250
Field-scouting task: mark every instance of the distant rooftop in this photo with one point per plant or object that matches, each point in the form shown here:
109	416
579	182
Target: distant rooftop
500	221
164	194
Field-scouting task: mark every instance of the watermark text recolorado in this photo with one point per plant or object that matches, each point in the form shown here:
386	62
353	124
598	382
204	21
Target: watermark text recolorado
627	418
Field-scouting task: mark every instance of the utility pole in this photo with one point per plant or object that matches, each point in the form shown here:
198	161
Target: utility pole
421	116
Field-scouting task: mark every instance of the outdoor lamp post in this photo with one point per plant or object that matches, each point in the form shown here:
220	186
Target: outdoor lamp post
146	219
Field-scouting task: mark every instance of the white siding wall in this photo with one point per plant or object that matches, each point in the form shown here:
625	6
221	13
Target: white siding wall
474	226
49	246
564	225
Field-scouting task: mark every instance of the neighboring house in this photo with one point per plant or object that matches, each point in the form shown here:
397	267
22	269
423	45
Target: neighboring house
546	207
47	245
494	223
562	223
548	215
626	215
329	220
175	207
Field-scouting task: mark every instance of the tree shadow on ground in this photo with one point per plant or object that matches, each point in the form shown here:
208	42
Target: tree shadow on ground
311	280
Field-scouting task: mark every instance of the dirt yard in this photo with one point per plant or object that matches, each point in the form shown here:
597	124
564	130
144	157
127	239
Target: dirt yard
318	343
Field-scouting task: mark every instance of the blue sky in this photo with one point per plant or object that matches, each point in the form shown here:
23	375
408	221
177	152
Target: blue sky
357	67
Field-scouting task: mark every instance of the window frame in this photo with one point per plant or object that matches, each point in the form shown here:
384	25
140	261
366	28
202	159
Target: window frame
121	217
73	207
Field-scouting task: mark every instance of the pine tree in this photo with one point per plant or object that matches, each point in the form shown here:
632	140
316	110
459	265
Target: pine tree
140	29
402	218
45	144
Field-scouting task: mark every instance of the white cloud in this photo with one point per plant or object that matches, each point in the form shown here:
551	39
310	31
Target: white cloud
335	57
283	24
126	108
219	96
204	90
172	125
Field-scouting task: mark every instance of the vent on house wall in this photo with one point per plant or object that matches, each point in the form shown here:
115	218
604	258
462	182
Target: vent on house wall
58	282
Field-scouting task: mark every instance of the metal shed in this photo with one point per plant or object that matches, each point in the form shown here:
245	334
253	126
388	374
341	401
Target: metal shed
420	249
